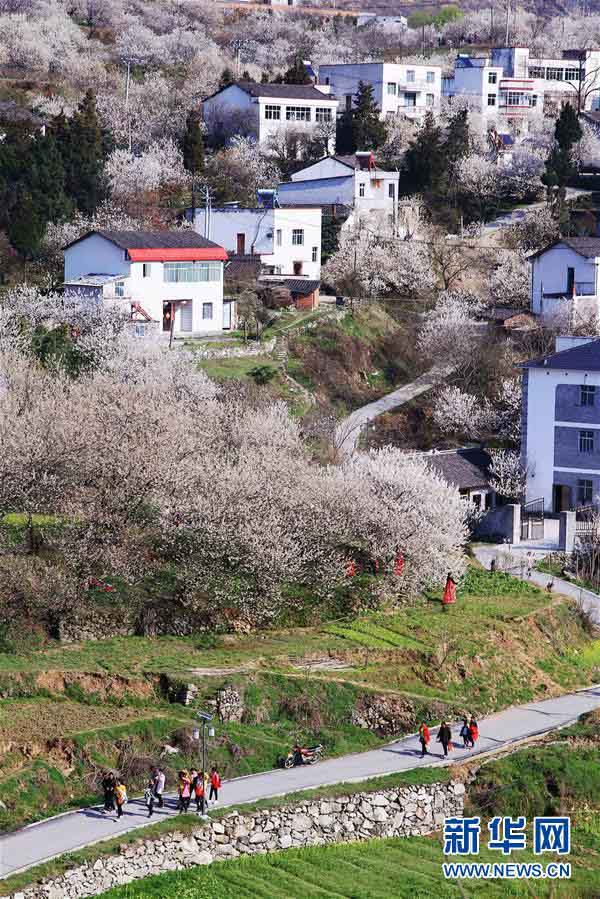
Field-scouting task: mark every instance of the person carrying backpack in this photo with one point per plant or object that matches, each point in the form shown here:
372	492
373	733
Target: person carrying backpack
424	738
159	785
120	796
184	788
465	733
215	784
149	797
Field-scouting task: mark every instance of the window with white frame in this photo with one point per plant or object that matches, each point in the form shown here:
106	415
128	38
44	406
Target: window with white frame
298	237
430	99
361	189
586	441
430	77
491	99
119	288
278	237
553	73
272	112
587	395
410	74
572	74
315	254
146	269
207	310
189	272
492	77
323	114
585	490
391	88
516	98
297	113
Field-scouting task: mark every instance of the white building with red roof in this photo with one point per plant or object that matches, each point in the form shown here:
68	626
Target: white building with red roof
169	281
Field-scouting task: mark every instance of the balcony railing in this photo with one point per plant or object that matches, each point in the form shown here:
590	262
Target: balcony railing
582	289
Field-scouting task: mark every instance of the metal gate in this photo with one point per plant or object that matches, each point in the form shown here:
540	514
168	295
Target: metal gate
532	519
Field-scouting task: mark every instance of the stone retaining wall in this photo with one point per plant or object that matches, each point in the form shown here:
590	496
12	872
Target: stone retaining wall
224	352
389	813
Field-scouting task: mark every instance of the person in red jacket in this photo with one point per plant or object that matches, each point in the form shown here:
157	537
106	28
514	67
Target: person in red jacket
424	739
215	784
473	732
449	597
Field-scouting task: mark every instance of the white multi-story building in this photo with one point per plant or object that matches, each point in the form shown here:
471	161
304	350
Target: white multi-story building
398	88
561	425
565	280
574	76
510	85
352	181
267	110
169	281
490	93
286	240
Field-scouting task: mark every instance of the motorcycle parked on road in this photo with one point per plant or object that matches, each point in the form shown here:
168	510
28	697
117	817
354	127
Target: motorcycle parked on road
303	756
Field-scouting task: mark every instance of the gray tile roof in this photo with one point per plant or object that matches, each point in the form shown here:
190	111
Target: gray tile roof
301	286
588	247
282	91
585	357
464	468
152	240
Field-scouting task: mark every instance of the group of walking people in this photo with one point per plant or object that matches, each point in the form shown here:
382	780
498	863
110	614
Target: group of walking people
192	784
469	732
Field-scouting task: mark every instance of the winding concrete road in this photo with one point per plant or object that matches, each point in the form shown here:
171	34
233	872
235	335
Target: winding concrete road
65	833
349	429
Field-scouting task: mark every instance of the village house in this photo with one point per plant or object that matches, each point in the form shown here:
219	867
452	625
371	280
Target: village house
564	279
398	89
561	425
377	20
355	182
286	240
169	281
467	469
269	110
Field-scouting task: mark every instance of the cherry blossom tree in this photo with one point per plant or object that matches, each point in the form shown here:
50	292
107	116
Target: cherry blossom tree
452	335
507	474
158	167
510	280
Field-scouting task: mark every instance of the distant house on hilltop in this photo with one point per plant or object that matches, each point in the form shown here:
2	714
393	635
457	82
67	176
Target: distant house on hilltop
564	278
264	110
169	281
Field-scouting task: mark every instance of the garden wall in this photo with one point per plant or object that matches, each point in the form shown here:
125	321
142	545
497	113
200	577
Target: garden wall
388	813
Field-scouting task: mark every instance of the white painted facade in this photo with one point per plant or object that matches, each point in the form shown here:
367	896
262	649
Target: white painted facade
540	401
265	116
332	181
564	282
198	305
556	79
288	240
398	89
497	98
381	21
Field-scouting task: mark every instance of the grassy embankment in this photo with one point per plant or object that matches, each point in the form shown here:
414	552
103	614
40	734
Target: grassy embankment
342	363
69	710
561	777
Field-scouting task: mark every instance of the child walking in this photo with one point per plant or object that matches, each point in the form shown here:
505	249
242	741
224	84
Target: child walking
215	784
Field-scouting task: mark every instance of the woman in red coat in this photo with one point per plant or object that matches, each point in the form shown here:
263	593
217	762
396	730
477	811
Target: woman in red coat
424	739
449	597
473	732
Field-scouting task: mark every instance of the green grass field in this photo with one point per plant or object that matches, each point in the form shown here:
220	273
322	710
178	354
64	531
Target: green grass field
380	869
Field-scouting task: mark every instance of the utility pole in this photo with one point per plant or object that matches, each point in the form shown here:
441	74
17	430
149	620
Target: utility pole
207	212
507	23
205	719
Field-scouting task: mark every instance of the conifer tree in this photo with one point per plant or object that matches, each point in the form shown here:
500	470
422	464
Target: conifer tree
83	146
193	144
226	78
368	130
424	161
297	73
25	227
560	164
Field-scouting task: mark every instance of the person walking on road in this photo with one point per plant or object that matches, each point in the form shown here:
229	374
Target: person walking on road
150	797
473	732
120	796
465	733
445	737
215	784
529	564
424	738
200	791
159	785
108	788
184	788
